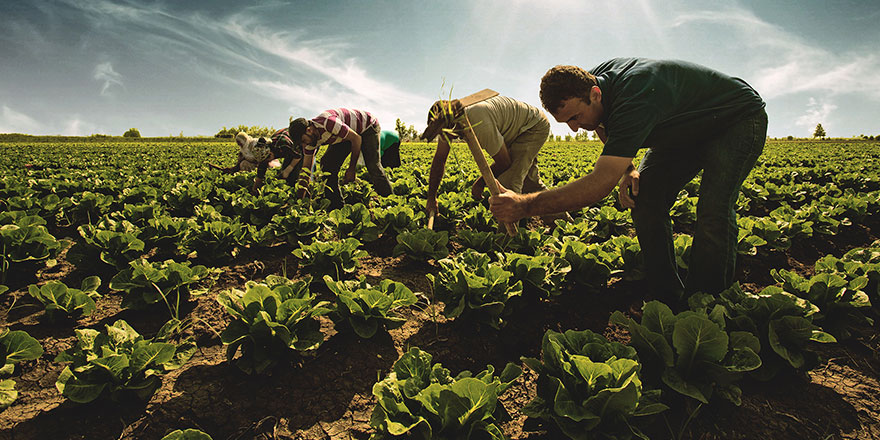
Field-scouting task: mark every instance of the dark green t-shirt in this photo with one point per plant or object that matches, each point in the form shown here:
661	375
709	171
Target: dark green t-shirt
664	104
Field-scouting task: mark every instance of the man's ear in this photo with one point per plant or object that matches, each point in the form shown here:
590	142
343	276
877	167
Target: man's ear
595	94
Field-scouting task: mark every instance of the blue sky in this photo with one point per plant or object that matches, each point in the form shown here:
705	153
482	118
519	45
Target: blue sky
78	67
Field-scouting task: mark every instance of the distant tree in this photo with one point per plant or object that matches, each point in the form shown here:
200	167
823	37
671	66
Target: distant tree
819	132
405	133
790	137
255	131
132	133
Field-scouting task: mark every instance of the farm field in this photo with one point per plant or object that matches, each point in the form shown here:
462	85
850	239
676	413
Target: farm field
143	292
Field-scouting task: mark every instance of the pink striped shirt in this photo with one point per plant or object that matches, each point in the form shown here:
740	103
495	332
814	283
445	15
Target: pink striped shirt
334	125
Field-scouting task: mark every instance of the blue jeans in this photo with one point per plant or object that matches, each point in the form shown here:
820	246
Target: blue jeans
726	161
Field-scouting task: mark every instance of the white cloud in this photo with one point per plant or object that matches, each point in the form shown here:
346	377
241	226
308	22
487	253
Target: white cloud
785	64
817	112
105	72
12	121
334	80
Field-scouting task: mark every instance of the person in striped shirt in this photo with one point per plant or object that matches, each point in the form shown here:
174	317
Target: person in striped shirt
344	131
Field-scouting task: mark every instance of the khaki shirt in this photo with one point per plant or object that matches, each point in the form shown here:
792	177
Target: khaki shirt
499	120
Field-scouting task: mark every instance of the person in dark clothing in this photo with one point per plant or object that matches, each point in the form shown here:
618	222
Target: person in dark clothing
691	119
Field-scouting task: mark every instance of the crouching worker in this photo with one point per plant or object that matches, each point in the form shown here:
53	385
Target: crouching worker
264	151
245	160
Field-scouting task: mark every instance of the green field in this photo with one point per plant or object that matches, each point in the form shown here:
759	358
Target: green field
143	292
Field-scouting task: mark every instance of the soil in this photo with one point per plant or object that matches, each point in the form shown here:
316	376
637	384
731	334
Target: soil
327	394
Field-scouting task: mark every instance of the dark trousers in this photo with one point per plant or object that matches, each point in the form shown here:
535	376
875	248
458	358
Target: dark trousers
391	157
335	156
725	161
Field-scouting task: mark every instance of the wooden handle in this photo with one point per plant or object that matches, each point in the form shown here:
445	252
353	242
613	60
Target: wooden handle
488	177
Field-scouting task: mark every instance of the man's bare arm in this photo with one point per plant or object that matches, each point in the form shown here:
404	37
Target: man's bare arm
509	207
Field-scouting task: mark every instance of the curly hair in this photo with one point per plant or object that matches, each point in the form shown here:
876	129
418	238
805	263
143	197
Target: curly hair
564	82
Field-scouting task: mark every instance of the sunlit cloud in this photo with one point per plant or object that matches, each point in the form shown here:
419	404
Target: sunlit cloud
104	72
12	121
787	64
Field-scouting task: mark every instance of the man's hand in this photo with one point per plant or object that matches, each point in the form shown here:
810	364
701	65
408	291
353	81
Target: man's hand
507	206
629	183
477	188
349	175
431	206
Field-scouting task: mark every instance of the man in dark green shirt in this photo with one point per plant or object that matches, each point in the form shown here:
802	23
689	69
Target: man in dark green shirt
692	119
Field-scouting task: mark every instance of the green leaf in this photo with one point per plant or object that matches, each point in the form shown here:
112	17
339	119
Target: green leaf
20	346
8	394
698	338
77	390
147	354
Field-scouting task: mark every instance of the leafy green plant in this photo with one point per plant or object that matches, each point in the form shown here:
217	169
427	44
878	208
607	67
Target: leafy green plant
840	302
334	258
589	387
782	322
367	308
15	346
269	320
24	238
353	221
397	218
117	362
164	231
422	244
692	354
589	264
146	283
61	301
216	241
581	229
542	276
421	400
297	227
116	243
469	284
610	221
481	241
630	262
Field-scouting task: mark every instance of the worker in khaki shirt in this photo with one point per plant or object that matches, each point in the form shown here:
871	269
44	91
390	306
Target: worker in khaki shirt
511	131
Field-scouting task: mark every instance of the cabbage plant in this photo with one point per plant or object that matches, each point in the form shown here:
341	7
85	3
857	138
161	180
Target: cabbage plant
589	387
117	363
61	301
367	308
269	321
421	400
691	352
15	346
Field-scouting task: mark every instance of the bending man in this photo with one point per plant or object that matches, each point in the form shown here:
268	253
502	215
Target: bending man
345	131
691	119
512	132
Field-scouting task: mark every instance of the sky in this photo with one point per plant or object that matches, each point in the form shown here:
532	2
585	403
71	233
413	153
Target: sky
81	67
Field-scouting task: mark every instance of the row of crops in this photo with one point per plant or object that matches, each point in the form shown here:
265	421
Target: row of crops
152	224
